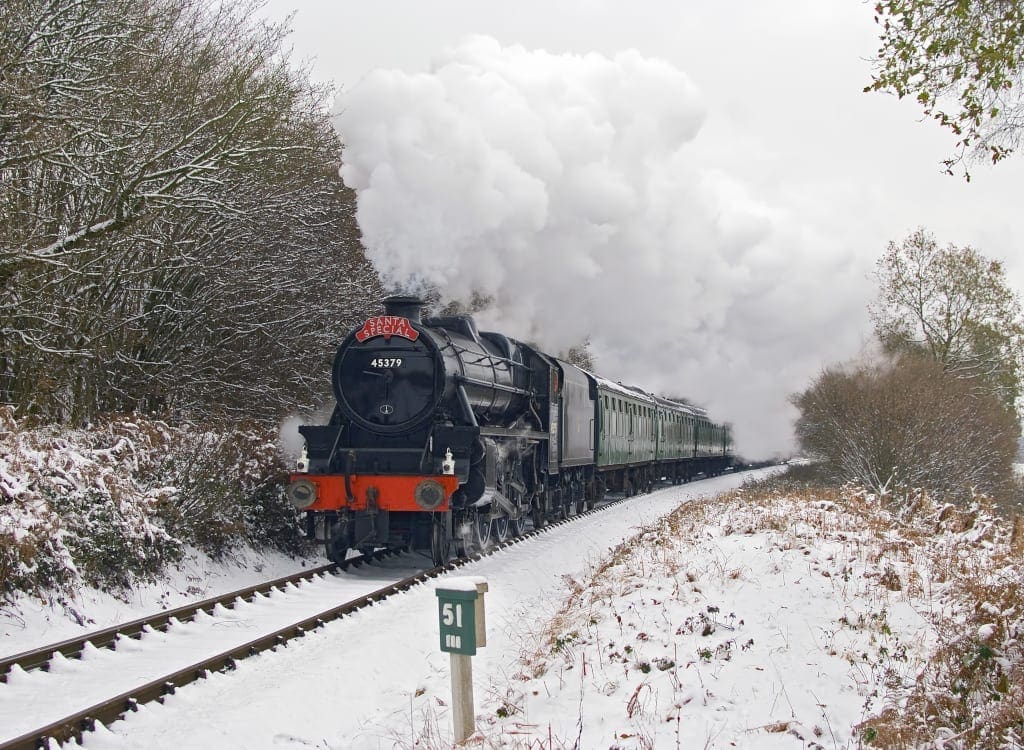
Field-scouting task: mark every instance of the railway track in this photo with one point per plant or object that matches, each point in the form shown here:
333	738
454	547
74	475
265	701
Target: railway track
40	658
73	725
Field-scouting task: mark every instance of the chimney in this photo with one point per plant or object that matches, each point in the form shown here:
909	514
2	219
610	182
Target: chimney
403	306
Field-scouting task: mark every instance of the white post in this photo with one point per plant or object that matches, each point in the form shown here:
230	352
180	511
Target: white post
462	696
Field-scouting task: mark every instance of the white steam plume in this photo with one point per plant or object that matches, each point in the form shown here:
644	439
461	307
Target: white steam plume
568	190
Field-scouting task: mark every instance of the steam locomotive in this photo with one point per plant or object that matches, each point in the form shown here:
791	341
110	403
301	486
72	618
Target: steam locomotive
448	438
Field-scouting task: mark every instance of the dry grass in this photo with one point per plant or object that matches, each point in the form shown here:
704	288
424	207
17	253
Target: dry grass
966	562
971	692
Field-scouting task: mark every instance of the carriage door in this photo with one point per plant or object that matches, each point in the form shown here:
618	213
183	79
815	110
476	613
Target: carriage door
629	441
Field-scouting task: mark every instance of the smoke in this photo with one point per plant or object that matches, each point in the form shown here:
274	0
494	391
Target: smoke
571	191
289	441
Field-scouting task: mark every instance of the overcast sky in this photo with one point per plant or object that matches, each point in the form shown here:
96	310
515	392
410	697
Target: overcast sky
749	117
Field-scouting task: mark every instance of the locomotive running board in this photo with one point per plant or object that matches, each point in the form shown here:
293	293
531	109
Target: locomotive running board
507	433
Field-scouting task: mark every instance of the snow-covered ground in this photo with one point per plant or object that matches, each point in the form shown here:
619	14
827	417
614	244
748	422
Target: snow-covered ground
31	699
726	625
371	664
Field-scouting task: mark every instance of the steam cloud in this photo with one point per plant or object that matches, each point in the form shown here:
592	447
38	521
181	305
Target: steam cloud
570	191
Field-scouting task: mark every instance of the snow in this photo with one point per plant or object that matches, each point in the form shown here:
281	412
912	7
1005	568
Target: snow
725	624
461	583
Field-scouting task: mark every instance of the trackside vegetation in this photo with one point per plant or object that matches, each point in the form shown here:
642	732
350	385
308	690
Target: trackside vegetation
937	409
927	430
904	425
174	234
658	634
113	503
175	241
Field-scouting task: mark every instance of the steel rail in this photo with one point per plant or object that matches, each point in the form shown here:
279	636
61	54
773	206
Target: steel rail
108	711
39	658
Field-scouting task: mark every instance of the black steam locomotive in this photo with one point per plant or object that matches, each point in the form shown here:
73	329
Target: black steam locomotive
447	437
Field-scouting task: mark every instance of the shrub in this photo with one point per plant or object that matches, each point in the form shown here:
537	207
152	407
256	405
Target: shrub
112	541
907	425
31	559
117	501
229	490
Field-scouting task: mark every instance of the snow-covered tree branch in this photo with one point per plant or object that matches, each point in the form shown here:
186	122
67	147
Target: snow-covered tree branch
173	231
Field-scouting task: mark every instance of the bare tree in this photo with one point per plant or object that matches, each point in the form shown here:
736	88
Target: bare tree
173	231
955	305
580	355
